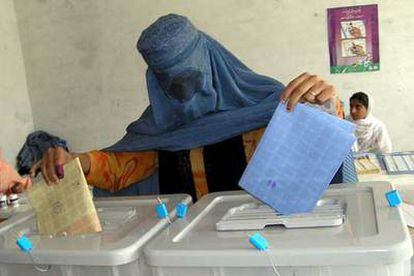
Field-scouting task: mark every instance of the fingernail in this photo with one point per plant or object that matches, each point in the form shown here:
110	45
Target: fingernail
59	171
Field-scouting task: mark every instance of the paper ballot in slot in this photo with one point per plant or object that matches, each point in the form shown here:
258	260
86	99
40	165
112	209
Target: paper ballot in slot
66	207
297	158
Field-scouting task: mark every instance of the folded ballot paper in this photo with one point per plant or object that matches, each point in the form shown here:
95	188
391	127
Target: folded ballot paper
297	158
66	207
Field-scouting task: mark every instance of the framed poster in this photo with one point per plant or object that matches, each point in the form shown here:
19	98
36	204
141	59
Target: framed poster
353	39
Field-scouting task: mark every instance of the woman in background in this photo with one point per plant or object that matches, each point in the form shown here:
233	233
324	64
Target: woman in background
371	133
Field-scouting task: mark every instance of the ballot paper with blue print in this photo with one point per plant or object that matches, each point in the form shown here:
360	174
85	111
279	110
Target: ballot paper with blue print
297	157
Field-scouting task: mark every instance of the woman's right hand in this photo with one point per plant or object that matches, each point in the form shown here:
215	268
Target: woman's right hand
52	163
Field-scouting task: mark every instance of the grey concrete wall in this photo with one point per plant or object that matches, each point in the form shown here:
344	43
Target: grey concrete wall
86	80
15	112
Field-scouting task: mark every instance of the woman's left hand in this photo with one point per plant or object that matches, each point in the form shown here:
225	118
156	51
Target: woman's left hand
307	88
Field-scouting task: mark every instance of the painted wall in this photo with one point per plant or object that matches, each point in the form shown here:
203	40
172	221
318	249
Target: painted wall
15	112
86	80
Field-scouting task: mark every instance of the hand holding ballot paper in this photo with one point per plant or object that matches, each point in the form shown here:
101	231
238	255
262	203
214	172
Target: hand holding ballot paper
66	207
297	158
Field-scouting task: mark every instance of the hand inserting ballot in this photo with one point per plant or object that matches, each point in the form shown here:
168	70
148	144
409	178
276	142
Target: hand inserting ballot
308	88
51	165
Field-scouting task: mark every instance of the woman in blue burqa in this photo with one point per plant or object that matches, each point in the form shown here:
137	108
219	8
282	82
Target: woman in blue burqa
206	115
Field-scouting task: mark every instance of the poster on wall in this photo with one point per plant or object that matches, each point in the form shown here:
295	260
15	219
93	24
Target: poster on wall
353	39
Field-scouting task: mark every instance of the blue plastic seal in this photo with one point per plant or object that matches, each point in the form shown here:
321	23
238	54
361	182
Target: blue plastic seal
181	210
24	243
161	210
394	198
259	242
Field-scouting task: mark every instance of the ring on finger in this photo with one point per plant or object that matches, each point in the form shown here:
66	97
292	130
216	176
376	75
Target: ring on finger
313	93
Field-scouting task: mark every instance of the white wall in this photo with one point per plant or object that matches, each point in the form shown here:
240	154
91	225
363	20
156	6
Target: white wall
15	112
86	79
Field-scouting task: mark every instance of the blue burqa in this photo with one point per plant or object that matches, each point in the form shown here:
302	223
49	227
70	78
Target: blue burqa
199	92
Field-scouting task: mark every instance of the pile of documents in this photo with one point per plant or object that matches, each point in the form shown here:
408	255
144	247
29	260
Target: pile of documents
367	164
397	162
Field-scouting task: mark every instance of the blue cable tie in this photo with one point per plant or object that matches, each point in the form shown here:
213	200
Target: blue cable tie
161	209
24	243
259	242
181	210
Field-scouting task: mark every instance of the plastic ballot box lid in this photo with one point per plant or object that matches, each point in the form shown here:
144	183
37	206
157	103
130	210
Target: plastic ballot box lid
128	223
372	232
